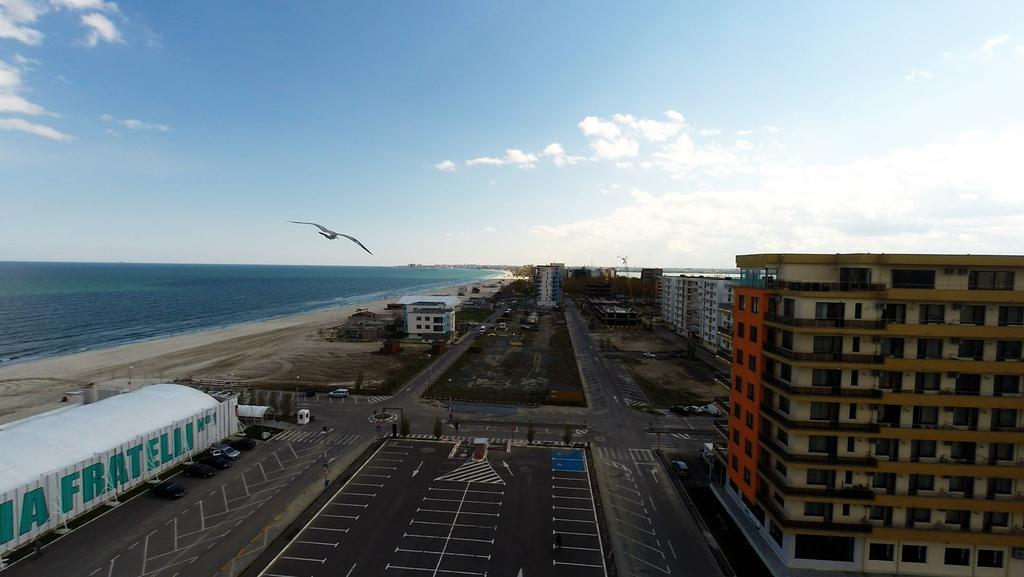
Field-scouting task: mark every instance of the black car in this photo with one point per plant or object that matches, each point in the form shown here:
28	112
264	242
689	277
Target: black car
680	410
243	444
169	490
217	462
199	470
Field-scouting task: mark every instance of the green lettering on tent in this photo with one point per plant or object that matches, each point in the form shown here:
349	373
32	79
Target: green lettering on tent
134	454
92	482
165	449
33	510
6	522
189	436
117	471
151	456
177	442
68	488
200	424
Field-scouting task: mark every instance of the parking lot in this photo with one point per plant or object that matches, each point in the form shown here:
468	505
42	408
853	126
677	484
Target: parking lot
420	507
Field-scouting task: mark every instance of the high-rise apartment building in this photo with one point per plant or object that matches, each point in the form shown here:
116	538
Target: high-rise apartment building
548	281
876	419
697	307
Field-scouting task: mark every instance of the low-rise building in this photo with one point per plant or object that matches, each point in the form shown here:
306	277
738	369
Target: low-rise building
429	317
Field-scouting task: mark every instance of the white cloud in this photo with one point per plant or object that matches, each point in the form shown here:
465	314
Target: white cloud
557	154
918	74
10	86
683	157
675	117
770	129
993	42
15	15
490	229
956	197
513	156
744	145
652	130
593	126
744	132
83	5
21	125
133	124
456	234
710	132
445	166
100	29
1020	49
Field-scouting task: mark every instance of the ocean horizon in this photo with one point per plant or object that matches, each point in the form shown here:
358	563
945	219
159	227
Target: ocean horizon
50	309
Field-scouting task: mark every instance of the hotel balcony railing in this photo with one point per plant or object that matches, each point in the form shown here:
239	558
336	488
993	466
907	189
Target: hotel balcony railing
823	357
822	391
826	323
824	286
815	459
825	425
827	492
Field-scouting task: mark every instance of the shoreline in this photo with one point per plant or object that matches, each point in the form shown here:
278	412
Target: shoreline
34	386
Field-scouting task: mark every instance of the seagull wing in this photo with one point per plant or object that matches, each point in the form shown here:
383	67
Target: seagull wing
355	240
323	228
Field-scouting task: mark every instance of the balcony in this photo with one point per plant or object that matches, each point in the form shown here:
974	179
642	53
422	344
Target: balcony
823	525
823	357
820	391
861	493
829	425
824	286
825	323
814	459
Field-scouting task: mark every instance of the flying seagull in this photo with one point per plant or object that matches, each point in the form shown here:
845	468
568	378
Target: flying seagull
331	235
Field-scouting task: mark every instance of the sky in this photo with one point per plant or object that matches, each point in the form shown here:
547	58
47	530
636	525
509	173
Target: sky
678	134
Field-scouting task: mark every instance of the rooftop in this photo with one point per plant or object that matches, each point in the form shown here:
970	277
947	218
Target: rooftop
867	258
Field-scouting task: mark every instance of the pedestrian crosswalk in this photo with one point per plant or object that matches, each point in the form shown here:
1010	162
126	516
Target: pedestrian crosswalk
301	435
625	454
473	472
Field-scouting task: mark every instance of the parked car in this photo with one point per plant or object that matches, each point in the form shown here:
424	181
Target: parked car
681	469
243	444
226	450
199	470
169	490
338	393
217	462
650	355
680	410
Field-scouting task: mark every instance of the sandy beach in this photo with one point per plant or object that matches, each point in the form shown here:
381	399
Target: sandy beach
286	349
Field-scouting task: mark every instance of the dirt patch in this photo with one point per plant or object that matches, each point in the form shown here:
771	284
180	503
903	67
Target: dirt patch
516	366
636	341
671	379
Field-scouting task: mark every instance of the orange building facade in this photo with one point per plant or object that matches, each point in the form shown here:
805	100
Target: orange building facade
746	392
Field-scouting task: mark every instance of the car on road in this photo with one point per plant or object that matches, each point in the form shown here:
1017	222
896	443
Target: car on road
217	462
338	393
243	444
650	355
199	470
226	450
681	469
168	490
681	410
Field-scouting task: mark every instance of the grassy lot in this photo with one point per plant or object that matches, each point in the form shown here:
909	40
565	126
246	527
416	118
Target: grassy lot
472	316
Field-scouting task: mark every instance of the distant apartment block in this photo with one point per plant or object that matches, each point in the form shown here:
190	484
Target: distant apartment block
548	281
698	307
650	275
876	420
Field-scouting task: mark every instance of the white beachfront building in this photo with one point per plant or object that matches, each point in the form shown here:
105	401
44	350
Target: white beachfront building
429	316
548	281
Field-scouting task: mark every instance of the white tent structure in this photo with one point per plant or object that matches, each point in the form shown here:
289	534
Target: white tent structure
57	466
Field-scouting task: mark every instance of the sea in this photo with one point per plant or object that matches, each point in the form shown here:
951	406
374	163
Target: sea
51	309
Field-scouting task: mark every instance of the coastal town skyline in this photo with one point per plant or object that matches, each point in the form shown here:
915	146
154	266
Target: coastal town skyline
177	133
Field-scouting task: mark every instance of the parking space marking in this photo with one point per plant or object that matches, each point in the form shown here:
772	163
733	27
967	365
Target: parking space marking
327	529
401	550
335	545
329	516
666	570
556	562
491	527
436	571
320	561
491	541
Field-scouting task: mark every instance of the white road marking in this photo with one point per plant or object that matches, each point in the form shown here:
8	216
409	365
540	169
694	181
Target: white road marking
318	543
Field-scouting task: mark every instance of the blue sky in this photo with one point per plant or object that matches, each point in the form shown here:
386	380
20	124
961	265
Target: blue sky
679	134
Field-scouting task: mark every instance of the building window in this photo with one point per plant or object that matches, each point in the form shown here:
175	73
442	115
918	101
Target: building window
748	448
892	347
753	334
958	517
821	444
929	348
739	384
784	404
990	558
735	463
824	411
927	381
922	483
750	391
750	420
814	509
961	484
858	310
737	411
781	468
913	279
877	513
881	552
972	314
1006	384
925	416
752	362
438	328
746	475
958	556
1003	419
829	311
1000	486
971	349
932	314
990	280
826	377
739	357
778	499
890	380
914	554
742	303
997	519
782	436
755	303
817	477
892	313
418	327
736	437
823	547
968	384
741	330
922	449
1011	315
1008	350
775	532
